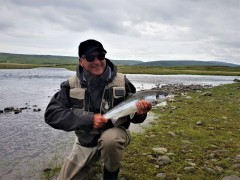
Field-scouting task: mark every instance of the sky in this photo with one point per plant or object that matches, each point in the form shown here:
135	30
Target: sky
128	29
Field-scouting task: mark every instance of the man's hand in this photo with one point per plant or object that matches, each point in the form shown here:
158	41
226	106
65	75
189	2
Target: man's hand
143	107
99	121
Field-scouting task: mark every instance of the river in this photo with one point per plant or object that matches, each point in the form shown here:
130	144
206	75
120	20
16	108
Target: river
27	144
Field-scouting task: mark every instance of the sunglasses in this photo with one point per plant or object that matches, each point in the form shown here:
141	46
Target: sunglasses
91	58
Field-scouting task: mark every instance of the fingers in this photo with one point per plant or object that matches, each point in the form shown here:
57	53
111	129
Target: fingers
143	106
99	121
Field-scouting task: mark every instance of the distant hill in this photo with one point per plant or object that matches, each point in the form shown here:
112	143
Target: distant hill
36	59
50	59
186	63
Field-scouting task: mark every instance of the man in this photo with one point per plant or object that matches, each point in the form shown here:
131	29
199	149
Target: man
79	105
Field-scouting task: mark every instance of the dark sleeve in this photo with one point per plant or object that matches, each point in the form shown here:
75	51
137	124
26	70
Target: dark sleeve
60	115
130	89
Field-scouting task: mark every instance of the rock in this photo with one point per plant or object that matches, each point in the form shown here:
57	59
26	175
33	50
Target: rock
163	160
212	155
171	134
36	110
1	111
232	177
8	109
16	111
236	166
189	169
161	175
151	159
211	128
237	157
173	107
209	170
47	170
179	89
236	80
208	93
160	150
199	123
170	154
192	164
219	169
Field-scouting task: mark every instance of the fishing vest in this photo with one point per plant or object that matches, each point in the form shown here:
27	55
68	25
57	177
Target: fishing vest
114	92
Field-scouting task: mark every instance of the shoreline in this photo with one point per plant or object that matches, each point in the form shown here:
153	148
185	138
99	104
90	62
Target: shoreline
158	70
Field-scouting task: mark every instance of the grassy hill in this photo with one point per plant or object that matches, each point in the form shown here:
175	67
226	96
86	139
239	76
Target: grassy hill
70	60
36	59
186	63
51	60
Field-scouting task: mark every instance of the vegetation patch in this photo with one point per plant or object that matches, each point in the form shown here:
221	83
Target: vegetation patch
200	135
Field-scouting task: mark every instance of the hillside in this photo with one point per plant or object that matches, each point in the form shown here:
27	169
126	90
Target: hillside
49	59
70	60
186	63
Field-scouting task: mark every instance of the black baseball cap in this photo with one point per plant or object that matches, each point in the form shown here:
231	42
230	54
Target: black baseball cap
88	46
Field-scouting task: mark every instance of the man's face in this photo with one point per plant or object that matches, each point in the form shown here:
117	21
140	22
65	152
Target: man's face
94	63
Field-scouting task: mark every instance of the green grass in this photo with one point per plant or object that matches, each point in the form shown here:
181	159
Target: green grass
218	135
196	70
212	146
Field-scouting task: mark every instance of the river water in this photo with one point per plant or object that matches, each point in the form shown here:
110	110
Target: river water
27	144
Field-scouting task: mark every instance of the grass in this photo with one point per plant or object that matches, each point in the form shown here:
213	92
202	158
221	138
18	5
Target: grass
209	147
212	146
197	70
157	70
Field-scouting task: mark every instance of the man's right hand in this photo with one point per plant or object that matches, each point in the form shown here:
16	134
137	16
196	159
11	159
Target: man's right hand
99	121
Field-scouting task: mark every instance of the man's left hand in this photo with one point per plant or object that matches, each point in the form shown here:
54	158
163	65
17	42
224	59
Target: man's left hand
143	107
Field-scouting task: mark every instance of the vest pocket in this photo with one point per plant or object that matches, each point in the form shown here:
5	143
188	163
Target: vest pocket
77	97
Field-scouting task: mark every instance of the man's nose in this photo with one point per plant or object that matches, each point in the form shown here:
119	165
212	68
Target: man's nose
96	60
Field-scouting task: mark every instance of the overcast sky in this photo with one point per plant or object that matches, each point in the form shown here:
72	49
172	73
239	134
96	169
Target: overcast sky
129	29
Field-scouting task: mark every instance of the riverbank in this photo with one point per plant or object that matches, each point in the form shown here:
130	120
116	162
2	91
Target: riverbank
156	70
196	136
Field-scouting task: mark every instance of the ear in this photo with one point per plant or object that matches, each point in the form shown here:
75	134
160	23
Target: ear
80	62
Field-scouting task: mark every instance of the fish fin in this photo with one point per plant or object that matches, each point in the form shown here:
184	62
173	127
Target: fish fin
114	120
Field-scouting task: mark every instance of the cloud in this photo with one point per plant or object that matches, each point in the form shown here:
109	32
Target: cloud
186	29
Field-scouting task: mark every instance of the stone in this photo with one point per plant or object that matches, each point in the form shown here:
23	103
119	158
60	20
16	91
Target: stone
171	134
189	169
236	166
231	177
199	123
161	175
236	80
208	93
192	164
237	157
160	150
163	160
8	109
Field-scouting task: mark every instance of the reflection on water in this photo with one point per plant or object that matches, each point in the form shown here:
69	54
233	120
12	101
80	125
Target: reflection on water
27	143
